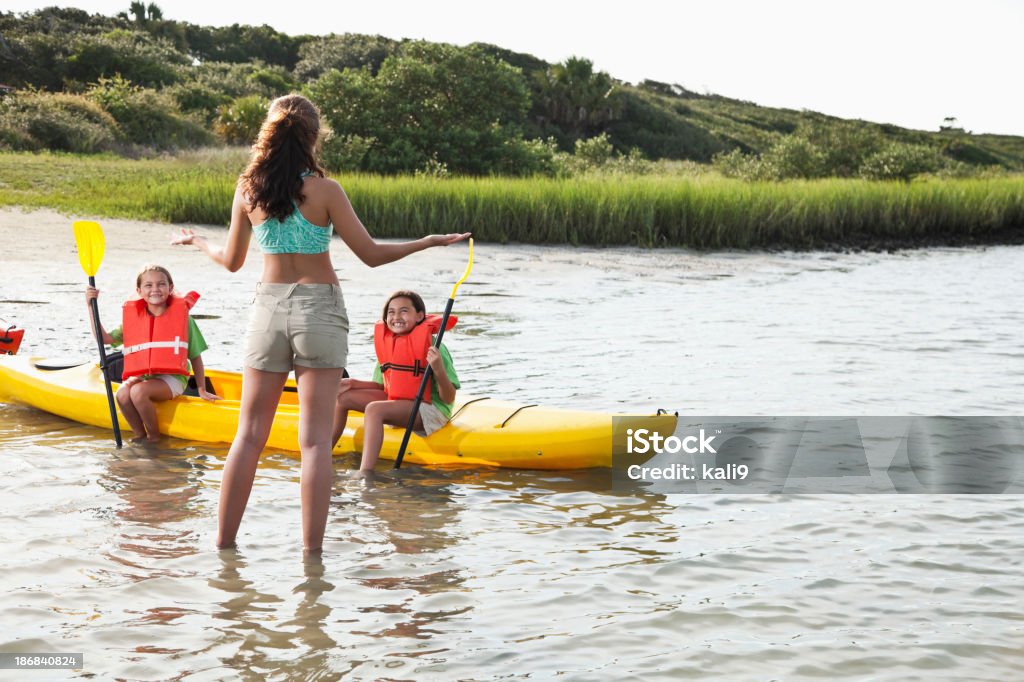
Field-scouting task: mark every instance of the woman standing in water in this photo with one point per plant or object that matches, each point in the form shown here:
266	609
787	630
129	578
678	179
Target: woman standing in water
298	320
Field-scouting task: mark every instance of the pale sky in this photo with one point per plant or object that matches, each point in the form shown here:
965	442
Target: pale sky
907	62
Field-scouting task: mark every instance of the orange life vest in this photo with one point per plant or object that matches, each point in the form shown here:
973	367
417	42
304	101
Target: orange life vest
10	338
403	359
156	344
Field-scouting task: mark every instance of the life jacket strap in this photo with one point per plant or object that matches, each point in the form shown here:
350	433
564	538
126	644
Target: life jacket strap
178	345
415	369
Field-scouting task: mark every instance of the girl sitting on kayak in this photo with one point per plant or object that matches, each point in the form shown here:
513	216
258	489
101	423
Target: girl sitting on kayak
403	339
160	338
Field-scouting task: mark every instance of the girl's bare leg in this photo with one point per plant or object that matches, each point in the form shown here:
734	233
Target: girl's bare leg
131	415
379	413
356	400
145	395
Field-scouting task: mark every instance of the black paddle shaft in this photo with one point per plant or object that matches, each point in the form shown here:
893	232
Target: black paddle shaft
103	365
424	382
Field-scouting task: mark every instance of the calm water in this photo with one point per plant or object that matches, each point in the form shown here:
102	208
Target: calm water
484	574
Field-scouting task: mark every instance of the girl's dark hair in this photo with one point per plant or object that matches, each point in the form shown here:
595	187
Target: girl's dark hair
417	302
286	147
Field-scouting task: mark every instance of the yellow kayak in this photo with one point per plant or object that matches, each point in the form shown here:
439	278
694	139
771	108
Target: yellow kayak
482	432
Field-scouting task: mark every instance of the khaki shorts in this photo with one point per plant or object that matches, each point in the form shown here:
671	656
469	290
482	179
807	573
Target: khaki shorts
173	382
297	324
432	418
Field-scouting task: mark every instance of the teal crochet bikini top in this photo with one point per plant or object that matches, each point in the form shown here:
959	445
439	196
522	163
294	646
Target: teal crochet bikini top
294	234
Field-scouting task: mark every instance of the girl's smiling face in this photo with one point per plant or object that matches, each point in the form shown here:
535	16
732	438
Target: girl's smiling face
154	288
402	315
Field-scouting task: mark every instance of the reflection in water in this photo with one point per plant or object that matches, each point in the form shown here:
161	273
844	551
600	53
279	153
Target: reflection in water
158	490
415	515
294	648
467	574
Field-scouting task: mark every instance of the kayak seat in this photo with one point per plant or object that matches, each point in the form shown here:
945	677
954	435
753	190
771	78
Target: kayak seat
193	389
54	365
115	366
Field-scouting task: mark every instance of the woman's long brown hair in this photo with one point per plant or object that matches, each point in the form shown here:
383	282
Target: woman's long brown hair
286	147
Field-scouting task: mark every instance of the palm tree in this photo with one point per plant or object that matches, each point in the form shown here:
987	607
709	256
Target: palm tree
578	99
138	10
143	14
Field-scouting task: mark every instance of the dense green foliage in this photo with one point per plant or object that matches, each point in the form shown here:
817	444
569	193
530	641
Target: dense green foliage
401	106
698	211
425	104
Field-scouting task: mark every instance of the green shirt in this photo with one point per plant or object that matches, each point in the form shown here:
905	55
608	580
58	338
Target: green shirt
435	395
196	346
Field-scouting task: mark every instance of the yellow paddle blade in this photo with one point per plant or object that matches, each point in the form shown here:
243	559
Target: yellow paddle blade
90	243
469	266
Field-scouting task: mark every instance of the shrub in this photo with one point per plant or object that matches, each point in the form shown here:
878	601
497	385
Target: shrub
238	80
198	99
790	157
37	120
533	157
736	164
901	161
147	117
239	122
594	151
794	157
136	55
345	152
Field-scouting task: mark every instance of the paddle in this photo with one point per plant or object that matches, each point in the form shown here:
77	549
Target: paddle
90	243
427	374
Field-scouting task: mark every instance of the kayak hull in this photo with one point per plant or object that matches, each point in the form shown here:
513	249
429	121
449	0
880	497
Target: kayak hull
482	432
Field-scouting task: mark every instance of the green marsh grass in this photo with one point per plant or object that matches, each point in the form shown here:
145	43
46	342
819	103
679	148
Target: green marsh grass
704	211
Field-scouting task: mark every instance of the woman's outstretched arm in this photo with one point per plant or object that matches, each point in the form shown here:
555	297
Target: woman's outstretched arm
232	254
354	234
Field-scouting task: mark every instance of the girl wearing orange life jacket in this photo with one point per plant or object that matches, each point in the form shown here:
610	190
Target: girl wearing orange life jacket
160	338
403	339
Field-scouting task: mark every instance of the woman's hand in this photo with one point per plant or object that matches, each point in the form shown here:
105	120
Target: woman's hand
186	237
446	239
91	293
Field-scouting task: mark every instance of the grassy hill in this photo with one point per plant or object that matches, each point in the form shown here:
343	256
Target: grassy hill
89	83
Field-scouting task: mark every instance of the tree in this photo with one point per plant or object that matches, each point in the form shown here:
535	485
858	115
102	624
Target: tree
349	51
144	13
239	44
950	125
138	10
576	98
430	103
901	161
134	54
845	144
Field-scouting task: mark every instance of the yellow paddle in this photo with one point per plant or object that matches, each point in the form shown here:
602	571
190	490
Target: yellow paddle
424	382
90	243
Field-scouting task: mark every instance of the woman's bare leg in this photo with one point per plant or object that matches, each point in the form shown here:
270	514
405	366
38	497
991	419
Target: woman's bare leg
318	390
261	392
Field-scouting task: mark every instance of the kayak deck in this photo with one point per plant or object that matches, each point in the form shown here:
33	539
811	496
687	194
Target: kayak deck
482	431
